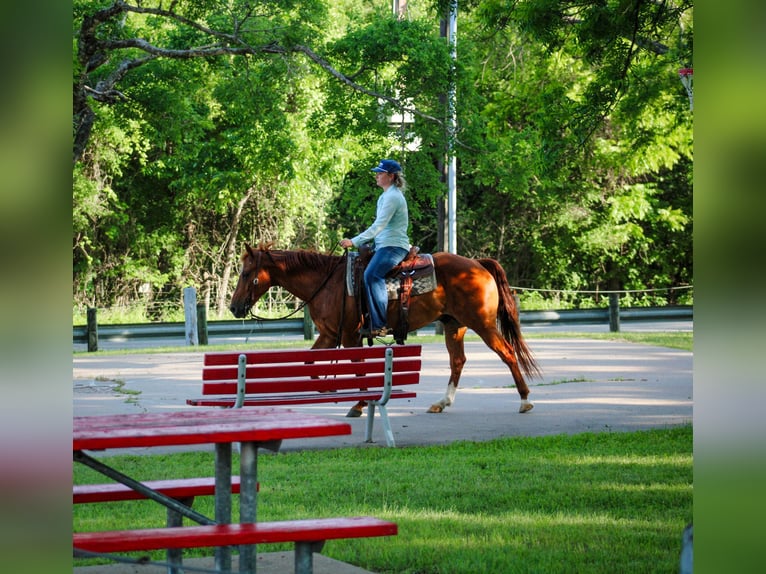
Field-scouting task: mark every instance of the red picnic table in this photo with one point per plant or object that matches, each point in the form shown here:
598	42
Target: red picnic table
253	428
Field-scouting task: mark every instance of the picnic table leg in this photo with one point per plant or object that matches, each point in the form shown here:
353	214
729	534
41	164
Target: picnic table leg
175	555
248	461
223	501
304	556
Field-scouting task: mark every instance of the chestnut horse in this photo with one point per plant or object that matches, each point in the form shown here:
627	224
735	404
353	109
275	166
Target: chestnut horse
470	294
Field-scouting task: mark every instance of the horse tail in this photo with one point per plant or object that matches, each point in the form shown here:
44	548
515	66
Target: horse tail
508	318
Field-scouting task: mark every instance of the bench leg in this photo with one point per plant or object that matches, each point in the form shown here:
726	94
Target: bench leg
370	421
386	426
383	419
304	556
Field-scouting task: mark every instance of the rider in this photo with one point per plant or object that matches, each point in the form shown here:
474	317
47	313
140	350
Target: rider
389	230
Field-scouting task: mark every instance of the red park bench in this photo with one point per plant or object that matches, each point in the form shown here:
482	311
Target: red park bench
313	376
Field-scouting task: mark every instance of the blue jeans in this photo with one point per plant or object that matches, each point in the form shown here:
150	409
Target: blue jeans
383	260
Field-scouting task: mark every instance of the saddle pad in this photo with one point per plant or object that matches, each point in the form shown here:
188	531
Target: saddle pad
423	281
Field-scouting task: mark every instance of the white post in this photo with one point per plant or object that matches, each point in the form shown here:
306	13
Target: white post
190	316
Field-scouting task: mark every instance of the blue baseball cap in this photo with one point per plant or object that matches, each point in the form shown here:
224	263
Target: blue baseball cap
387	166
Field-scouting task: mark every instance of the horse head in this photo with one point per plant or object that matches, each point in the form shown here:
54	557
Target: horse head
254	280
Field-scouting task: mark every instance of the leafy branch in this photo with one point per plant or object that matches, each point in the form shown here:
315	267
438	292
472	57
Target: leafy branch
98	44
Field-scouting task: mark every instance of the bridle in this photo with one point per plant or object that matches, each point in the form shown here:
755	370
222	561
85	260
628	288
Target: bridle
300	307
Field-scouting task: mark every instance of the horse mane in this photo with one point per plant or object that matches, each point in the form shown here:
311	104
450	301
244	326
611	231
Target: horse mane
300	258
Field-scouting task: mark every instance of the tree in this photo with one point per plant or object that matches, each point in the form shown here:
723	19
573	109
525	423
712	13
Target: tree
216	106
110	47
581	105
203	124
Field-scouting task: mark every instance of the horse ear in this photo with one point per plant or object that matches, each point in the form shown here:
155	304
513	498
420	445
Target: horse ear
249	250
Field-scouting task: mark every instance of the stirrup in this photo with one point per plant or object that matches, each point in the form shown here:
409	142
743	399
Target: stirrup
382	332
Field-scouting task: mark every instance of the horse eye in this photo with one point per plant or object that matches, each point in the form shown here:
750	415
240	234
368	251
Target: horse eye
255	281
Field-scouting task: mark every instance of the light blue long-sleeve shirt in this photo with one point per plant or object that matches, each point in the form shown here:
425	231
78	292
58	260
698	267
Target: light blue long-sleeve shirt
391	221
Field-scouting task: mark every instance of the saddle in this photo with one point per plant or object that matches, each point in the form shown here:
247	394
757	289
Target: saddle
415	275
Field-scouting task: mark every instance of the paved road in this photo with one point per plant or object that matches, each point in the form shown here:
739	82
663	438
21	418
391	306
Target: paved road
588	385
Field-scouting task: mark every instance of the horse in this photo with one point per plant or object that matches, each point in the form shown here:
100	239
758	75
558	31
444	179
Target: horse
470	294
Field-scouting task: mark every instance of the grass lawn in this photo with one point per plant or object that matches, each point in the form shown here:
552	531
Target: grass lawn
593	502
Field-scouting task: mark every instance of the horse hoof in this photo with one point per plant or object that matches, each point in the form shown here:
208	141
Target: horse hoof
526	407
435	409
354	413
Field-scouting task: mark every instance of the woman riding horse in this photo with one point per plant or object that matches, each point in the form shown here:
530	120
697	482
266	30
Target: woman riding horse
470	294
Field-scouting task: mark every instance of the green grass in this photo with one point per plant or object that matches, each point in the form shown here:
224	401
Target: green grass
593	502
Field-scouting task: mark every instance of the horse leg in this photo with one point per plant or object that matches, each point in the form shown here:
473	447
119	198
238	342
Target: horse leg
506	352
352	338
328	339
453	337
357	410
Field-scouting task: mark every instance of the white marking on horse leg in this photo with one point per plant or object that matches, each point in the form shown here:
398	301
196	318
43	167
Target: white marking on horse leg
449	396
526	406
447	400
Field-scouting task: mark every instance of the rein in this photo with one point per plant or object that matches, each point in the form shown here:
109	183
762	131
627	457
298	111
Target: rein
304	303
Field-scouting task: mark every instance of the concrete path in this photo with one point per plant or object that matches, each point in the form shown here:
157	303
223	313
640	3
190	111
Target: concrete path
268	563
588	385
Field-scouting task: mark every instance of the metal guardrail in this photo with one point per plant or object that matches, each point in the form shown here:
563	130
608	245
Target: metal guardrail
570	316
178	329
296	326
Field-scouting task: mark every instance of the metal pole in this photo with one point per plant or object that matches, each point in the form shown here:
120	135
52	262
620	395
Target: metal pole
171	503
451	130
248	512
223	500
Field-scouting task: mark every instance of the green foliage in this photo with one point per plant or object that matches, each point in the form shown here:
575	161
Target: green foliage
574	139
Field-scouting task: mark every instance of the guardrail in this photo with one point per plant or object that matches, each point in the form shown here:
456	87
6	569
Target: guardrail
249	328
569	316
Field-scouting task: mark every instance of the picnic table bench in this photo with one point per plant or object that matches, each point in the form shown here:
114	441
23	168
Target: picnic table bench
308	536
260	428
184	490
312	376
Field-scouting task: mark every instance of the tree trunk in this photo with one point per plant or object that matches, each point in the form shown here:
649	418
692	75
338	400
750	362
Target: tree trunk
229	253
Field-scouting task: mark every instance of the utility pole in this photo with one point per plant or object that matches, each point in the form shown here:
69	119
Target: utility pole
451	132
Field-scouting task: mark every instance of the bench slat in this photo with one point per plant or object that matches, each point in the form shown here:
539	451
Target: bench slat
276	400
178	489
314	530
291	355
298	368
315	385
